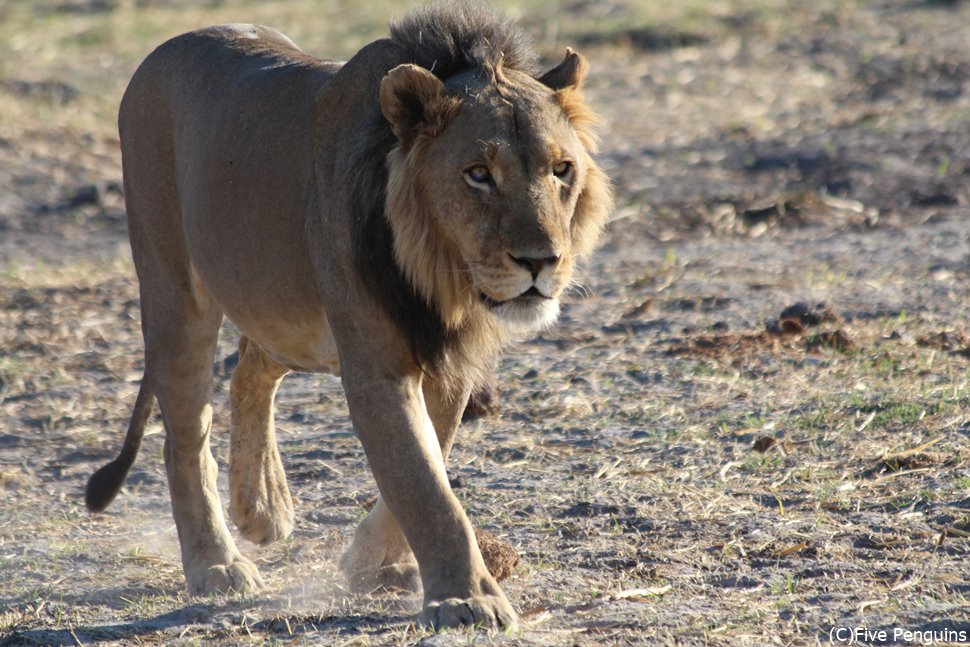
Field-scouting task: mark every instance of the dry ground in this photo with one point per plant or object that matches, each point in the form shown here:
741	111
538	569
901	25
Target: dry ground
686	459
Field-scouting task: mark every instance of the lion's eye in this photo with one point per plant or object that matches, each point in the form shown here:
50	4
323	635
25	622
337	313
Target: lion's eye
478	176
562	170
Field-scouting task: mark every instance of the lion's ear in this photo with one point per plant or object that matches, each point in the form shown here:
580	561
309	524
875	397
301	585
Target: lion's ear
412	99
569	74
566	81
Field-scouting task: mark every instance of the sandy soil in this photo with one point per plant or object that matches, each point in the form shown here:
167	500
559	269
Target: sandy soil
685	459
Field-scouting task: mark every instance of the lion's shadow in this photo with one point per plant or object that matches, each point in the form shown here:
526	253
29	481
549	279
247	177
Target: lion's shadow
201	615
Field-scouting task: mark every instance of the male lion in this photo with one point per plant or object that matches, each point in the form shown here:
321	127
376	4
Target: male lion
390	220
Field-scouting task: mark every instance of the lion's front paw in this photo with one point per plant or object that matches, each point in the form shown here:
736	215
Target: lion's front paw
238	576
484	611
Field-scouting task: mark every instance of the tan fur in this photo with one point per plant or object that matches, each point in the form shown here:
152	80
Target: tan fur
431	262
259	502
264	185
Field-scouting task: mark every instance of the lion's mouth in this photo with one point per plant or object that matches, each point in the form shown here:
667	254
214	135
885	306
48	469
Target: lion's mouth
532	294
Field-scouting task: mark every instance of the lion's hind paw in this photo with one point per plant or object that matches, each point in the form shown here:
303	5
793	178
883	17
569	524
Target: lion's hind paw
402	576
239	576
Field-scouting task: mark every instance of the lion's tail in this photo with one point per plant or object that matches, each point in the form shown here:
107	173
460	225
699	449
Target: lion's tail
104	485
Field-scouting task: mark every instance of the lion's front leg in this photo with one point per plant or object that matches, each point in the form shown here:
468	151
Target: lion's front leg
379	556
392	419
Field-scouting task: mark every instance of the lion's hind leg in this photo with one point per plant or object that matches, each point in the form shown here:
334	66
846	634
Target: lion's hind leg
179	350
259	502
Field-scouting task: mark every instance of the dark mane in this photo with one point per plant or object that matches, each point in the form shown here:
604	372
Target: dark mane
451	36
428	339
446	37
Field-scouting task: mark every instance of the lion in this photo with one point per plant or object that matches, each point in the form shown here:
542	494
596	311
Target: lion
393	220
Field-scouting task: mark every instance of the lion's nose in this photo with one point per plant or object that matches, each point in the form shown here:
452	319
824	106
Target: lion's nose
535	265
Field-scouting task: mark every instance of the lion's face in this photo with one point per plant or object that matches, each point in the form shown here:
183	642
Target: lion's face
504	182
490	195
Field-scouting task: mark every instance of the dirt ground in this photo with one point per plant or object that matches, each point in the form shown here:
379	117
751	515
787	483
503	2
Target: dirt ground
751	426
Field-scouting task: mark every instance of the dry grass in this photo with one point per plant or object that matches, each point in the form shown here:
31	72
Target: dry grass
679	462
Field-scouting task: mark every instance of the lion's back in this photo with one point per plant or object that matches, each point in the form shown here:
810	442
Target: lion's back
216	131
222	77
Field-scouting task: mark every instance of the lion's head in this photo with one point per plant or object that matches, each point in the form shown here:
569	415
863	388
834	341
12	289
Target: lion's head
492	195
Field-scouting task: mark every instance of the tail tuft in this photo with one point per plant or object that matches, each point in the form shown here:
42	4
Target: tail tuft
104	485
